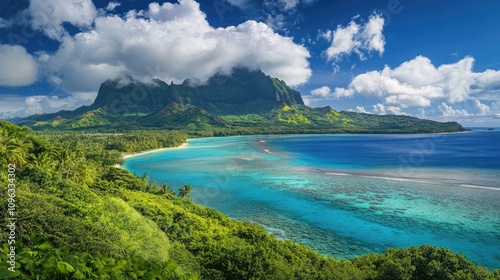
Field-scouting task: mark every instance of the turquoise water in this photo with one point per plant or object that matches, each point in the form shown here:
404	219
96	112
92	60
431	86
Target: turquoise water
346	195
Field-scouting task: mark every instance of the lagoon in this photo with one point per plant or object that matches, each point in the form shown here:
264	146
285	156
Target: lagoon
347	195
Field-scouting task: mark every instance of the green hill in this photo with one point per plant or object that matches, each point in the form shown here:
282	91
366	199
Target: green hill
245	99
81	218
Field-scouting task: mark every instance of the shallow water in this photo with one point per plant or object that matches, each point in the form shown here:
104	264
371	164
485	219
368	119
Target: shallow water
346	195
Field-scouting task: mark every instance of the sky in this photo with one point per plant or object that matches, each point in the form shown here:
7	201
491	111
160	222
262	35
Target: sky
438	60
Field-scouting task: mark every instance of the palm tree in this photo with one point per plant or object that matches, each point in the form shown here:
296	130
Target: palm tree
74	161
13	149
185	191
42	161
68	162
62	156
166	191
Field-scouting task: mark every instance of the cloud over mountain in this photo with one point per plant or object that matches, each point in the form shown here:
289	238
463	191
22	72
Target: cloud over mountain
172	42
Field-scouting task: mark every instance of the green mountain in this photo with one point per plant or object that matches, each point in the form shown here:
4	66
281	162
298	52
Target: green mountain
248	100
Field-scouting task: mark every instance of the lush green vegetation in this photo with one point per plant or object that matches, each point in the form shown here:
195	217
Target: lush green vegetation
248	101
81	218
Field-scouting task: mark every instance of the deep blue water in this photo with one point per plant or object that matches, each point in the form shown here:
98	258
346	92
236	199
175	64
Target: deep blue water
346	195
480	149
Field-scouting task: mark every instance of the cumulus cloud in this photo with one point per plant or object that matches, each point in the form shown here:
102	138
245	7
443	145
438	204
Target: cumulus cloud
358	37
448	111
322	92
361	109
416	83
112	5
38	104
173	42
382	109
17	67
421	113
489	79
480	108
49	15
473	108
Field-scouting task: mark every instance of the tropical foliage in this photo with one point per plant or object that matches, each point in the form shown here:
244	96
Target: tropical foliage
185	191
82	218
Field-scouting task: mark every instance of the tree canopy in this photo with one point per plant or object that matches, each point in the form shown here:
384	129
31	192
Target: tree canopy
82	218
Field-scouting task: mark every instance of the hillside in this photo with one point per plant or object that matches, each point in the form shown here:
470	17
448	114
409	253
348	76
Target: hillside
247	100
81	218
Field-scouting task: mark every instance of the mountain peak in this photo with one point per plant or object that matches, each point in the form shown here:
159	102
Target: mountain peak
238	88
243	98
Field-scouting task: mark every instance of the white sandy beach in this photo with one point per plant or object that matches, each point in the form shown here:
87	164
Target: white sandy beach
184	145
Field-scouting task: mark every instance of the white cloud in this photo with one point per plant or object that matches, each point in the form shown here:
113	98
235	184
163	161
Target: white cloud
276	22
480	108
17	67
112	5
343	41
448	111
173	42
361	109
488	79
324	92
474	109
381	109
19	106
422	113
289	4
416	83
357	37
49	15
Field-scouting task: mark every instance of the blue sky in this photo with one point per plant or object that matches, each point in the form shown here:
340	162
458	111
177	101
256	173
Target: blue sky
430	59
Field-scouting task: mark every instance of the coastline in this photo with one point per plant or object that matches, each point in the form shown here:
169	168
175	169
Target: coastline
127	156
182	146
185	145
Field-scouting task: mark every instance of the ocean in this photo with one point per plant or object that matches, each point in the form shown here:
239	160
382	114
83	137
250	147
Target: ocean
347	195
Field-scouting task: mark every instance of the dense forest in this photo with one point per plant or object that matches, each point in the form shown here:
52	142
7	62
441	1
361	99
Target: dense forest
78	217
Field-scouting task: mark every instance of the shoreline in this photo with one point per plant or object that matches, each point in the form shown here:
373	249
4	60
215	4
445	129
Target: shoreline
185	145
182	146
127	156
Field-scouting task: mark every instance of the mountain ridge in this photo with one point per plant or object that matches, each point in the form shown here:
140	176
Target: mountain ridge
245	99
